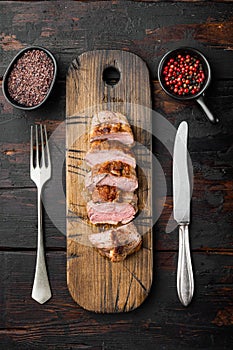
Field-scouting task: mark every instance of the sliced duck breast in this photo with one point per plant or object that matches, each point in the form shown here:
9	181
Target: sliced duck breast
117	243
107	125
111	212
114	173
107	151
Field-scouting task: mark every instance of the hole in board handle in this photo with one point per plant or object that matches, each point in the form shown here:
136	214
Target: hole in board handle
111	76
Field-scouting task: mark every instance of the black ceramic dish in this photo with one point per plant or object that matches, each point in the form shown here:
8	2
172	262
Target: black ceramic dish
207	71
13	102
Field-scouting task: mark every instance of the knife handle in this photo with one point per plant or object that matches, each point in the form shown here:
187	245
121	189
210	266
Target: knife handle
185	283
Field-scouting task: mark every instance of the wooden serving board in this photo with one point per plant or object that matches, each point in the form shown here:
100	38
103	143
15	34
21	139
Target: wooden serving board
94	282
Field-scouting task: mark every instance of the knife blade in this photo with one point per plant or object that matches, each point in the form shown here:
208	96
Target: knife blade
181	209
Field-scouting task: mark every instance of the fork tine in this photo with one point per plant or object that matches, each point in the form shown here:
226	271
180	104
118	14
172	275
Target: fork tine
47	147
31	150
42	146
37	147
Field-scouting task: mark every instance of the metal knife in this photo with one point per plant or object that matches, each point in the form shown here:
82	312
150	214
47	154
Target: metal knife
181	208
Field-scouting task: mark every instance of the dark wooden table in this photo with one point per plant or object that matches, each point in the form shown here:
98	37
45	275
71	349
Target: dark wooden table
148	29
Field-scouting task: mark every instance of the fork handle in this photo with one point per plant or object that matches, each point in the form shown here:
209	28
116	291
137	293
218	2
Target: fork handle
185	283
41	291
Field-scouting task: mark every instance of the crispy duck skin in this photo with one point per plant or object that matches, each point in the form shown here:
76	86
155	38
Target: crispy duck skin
116	173
117	243
109	151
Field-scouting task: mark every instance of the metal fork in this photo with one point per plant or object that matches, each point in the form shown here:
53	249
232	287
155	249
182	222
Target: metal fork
40	174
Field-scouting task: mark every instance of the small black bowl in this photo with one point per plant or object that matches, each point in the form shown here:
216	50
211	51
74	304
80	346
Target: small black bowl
15	103
198	96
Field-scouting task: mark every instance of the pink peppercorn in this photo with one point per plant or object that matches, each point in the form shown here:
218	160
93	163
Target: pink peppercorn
183	74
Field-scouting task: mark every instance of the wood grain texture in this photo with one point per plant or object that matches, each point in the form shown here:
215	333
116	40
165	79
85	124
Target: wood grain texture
148	29
96	283
61	324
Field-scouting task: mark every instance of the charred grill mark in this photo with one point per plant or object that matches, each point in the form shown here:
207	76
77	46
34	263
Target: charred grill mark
128	294
75	172
75	123
73	256
77	167
136	278
78	117
75	235
75	150
76	158
118	292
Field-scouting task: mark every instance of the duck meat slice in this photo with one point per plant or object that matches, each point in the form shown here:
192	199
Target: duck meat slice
107	125
108	151
111	212
115	173
117	243
108	117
